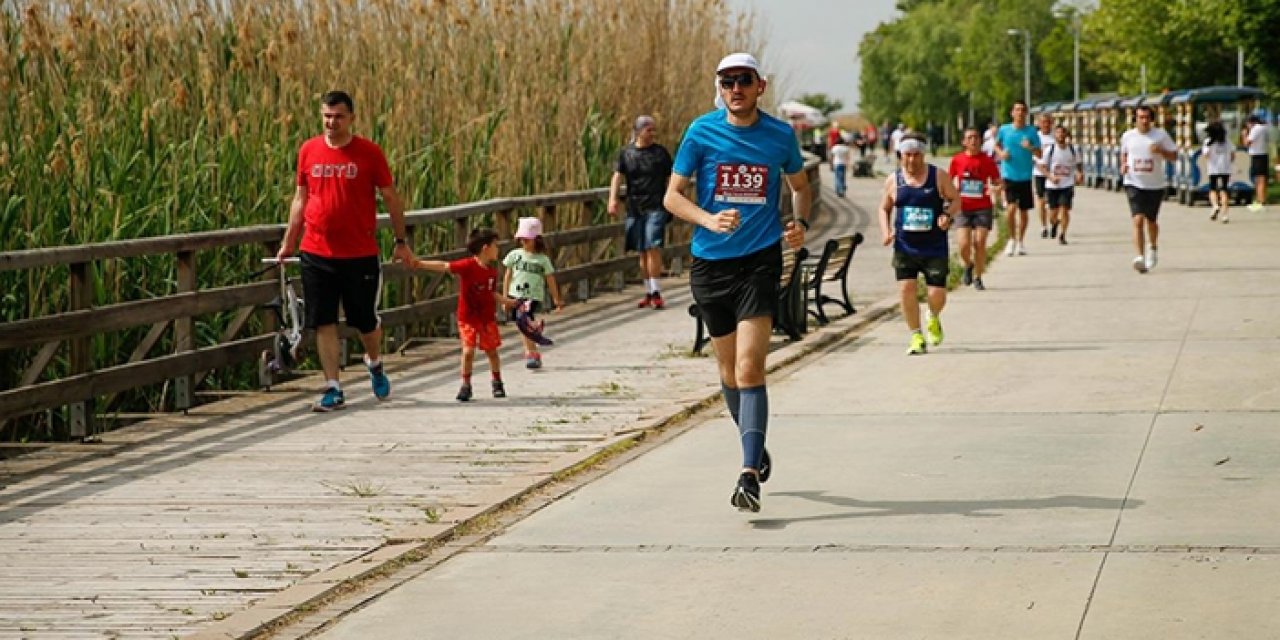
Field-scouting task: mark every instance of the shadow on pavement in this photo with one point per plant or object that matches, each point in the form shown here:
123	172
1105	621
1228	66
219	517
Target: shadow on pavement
966	508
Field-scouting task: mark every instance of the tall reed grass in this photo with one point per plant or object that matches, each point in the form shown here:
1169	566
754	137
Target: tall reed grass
130	119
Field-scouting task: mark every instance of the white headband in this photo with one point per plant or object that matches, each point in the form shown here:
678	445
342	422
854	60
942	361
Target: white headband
910	145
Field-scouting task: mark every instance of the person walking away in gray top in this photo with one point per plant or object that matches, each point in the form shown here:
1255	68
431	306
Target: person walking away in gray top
646	166
1258	139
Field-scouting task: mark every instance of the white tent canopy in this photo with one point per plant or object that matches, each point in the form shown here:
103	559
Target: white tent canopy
799	113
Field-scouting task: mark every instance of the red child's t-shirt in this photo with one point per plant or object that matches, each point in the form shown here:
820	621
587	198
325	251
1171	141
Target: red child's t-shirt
973	174
476	286
342	207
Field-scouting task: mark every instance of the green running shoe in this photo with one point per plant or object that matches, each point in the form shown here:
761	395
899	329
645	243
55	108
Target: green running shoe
917	345
935	330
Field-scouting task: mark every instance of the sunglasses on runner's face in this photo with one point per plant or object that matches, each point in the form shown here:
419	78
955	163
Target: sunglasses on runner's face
745	79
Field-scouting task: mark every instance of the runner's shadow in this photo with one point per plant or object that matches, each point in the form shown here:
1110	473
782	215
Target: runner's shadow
966	508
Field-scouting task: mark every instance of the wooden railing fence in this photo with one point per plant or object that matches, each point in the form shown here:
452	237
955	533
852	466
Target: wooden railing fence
588	256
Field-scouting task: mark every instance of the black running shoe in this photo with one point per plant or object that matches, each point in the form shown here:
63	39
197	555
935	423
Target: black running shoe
499	391
464	394
1044	232
967	278
746	496
766	466
1053	231
977	284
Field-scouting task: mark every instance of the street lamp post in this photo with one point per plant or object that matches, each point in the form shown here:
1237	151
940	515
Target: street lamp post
1075	31
1026	63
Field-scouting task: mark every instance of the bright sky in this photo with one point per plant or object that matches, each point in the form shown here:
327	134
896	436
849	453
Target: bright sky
813	44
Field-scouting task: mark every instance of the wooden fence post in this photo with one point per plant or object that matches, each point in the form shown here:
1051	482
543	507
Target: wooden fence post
80	413
184	338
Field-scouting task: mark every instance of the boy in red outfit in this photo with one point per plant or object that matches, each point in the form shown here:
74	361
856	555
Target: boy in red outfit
478	296
974	173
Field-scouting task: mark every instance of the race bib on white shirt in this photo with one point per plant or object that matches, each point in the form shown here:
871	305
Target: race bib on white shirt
1062	166
1146	169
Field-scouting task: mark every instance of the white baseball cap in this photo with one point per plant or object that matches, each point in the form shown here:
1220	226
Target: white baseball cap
738	60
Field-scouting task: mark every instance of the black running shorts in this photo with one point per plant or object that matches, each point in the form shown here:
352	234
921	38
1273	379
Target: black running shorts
1219	181
1060	198
735	289
353	283
1040	185
1259	165
1019	192
909	267
1145	202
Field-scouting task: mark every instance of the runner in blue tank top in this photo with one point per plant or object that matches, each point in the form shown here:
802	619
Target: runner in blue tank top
915	213
740	156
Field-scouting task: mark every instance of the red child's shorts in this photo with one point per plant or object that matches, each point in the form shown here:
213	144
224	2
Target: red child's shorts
482	336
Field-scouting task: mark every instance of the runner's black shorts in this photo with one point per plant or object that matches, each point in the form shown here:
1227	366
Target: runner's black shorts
1144	202
1040	185
1060	198
1219	181
909	267
735	289
353	283
1259	165
1019	192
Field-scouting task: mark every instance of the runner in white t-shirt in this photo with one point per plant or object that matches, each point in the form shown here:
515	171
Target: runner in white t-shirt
840	164
1063	167
1044	125
1258	138
1143	152
1219	156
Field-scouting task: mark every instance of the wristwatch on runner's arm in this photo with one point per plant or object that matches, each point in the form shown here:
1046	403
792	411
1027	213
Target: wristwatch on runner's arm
802	222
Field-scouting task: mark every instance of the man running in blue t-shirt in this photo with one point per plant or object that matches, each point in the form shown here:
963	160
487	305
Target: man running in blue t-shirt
1017	149
739	157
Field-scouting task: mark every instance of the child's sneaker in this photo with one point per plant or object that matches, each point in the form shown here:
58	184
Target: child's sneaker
499	391
657	300
464	394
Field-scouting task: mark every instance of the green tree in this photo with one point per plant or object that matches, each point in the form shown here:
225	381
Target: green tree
822	102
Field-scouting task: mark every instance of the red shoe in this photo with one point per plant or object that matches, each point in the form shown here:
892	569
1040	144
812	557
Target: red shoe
648	301
657	300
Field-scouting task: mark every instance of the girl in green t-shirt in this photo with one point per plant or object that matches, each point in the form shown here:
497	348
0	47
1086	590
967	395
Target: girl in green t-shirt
529	275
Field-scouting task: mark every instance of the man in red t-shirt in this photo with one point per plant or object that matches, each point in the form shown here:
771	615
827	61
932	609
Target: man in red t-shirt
334	209
478	296
974	173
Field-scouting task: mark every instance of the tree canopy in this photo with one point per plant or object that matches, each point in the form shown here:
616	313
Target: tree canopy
928	63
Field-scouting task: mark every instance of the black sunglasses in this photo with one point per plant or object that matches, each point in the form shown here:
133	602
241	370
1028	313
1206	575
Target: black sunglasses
744	79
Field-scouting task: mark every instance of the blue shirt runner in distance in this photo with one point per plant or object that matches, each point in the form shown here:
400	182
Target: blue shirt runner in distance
1018	166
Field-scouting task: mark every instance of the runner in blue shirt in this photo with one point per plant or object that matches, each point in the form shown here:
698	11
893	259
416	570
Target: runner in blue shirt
1017	149
739	157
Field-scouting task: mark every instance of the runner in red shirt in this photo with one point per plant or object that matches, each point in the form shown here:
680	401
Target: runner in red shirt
974	173
478	296
338	179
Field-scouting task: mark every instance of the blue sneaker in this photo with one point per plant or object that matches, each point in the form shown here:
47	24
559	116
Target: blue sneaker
381	385
331	400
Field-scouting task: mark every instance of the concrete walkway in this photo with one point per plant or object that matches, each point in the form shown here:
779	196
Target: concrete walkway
1091	454
247	510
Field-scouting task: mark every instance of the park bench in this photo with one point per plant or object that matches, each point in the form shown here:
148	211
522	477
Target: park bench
831	267
789	313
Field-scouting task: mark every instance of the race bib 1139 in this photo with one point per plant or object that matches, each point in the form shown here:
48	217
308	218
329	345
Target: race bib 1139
742	183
